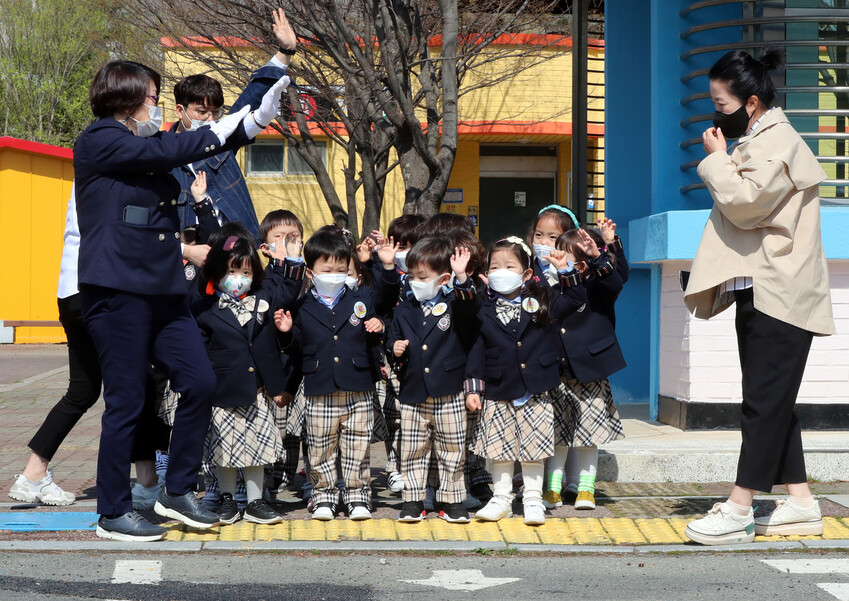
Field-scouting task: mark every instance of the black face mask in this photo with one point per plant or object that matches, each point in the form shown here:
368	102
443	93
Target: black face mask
732	125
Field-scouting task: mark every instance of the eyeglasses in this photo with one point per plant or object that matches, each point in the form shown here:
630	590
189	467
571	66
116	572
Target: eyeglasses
154	98
203	112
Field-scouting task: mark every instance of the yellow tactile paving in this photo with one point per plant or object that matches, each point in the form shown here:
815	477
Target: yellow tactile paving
416	531
623	532
442	530
201	536
378	530
833	529
658	531
588	531
272	531
515	531
679	525
483	531
307	530
342	530
238	531
555	531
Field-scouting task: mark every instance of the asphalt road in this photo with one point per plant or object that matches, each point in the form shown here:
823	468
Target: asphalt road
349	577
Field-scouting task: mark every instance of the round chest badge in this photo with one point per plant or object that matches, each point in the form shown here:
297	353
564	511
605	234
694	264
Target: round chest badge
354	320
440	309
263	306
190	271
360	310
444	323
531	305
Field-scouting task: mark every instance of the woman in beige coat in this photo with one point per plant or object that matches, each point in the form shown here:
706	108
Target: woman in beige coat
762	250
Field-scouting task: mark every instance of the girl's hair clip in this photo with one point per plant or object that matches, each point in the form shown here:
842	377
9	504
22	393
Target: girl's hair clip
520	242
230	242
562	209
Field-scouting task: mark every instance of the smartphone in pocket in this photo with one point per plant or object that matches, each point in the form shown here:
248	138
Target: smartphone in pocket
136	215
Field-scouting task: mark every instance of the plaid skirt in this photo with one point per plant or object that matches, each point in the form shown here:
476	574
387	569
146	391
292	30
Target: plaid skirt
593	418
168	406
508	433
244	436
296	414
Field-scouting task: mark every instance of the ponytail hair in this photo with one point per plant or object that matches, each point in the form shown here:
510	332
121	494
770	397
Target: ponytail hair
747	76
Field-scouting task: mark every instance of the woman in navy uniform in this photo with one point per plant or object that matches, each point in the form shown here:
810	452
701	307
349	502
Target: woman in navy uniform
132	286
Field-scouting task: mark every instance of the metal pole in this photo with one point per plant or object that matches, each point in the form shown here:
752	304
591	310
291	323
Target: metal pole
579	109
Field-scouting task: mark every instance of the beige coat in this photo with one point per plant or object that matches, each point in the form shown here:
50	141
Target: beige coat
765	224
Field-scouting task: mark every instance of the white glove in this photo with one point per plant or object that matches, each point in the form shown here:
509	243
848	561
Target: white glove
226	126
270	105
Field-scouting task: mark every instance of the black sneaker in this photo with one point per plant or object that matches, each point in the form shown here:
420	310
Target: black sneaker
454	513
260	512
412	512
185	508
228	510
324	511
482	492
129	527
359	511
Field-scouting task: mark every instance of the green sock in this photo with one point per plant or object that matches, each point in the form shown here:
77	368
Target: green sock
587	482
555	481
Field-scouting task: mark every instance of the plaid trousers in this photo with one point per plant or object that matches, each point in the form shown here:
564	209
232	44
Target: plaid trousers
387	391
342	422
438	424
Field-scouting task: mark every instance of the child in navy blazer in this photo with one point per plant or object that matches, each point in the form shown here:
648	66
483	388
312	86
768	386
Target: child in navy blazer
335	330
430	336
514	364
591	353
235	319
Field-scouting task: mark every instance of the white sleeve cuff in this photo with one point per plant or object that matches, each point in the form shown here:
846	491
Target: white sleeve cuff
275	62
251	128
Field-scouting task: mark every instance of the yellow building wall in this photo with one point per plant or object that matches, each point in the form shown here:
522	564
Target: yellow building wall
34	192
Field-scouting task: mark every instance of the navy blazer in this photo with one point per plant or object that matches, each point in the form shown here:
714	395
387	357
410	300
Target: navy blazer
508	361
432	366
337	352
247	357
224	180
588	335
115	169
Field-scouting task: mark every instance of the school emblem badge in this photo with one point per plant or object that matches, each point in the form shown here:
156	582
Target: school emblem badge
190	271
444	323
355	321
530	304
360	310
263	306
440	309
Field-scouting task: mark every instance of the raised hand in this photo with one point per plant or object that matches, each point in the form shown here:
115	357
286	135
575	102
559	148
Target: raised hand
199	186
386	252
607	228
283	320
378	237
283	31
293	245
714	140
473	402
588	245
400	347
365	249
459	262
560	261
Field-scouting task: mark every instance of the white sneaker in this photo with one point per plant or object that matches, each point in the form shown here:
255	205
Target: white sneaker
534	512
789	518
396	482
497	508
359	511
722	526
145	498
44	491
324	512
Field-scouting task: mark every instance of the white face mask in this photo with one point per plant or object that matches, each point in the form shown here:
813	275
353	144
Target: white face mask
236	285
505	281
401	260
196	124
329	284
145	129
352	283
424	291
542	251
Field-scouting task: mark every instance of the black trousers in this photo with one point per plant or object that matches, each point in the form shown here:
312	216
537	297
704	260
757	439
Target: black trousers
131	331
773	356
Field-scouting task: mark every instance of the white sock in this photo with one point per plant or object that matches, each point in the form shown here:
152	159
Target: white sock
502	479
572	470
533	472
738	509
554	467
587	459
226	479
253	482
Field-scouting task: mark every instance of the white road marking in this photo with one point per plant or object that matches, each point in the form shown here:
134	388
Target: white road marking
840	591
810	566
137	572
461	580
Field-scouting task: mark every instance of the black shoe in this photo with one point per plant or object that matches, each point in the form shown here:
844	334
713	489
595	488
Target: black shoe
260	512
187	509
228	510
129	527
359	511
482	492
412	512
454	513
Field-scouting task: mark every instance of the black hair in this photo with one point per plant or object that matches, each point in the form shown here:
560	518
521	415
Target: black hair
219	259
201	89
231	228
562	218
433	251
477	260
327	243
121	86
405	229
446	224
570	242
278	217
747	76
530	288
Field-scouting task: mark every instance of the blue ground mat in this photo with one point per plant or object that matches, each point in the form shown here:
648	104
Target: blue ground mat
45	521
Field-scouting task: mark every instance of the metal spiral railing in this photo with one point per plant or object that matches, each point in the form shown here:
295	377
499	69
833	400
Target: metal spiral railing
762	24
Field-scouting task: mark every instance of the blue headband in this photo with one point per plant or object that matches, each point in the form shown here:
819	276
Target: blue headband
562	209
